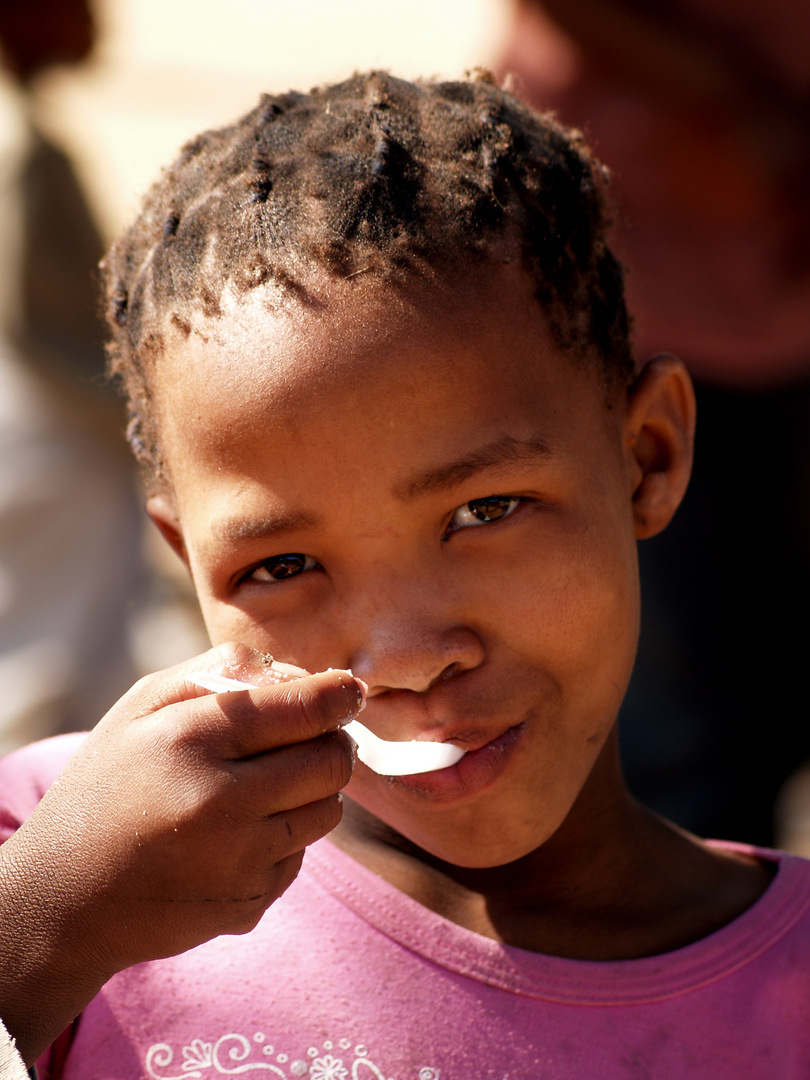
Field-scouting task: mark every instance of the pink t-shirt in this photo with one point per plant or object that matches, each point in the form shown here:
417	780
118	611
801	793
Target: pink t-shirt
345	978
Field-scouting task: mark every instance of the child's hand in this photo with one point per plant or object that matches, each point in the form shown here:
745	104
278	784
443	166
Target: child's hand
184	815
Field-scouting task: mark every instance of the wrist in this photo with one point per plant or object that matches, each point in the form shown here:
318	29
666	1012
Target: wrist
47	970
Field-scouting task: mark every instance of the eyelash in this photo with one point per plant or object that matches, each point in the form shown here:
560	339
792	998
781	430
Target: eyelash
485	511
293	564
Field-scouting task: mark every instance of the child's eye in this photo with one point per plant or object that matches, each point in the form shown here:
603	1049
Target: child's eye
284	566
483	511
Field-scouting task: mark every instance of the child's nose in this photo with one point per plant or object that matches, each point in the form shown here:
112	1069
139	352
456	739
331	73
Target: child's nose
402	651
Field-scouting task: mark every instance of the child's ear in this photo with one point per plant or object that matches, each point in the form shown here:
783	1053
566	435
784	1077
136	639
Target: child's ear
160	511
659	434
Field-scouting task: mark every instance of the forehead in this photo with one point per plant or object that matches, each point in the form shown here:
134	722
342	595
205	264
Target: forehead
275	368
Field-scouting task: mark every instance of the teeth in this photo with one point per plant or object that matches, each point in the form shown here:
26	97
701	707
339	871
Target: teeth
380	755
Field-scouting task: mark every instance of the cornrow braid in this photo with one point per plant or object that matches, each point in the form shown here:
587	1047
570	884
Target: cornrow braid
374	173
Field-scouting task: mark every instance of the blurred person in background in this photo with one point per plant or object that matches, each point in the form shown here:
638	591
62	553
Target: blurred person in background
702	110
69	520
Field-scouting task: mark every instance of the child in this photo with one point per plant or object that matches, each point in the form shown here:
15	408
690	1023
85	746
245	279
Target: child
379	376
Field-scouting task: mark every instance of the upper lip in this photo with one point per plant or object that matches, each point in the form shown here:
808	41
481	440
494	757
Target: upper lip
399	715
478	739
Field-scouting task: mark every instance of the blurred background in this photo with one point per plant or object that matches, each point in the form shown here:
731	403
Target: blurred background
702	110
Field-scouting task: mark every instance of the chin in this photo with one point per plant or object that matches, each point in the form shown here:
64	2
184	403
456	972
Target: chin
477	856
469	847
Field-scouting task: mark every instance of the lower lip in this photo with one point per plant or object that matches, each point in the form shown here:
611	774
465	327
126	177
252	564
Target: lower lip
475	772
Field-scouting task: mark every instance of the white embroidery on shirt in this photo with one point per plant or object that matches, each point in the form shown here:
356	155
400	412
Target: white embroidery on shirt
202	1060
328	1068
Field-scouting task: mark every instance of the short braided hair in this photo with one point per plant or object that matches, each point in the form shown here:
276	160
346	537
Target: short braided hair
374	173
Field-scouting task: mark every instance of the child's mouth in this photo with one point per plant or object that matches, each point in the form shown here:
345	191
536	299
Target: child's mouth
474	770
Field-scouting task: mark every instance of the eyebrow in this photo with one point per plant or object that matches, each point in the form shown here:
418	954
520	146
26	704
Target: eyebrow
505	451
261	528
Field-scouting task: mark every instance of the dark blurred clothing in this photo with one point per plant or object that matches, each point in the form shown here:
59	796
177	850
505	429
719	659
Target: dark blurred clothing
701	109
716	716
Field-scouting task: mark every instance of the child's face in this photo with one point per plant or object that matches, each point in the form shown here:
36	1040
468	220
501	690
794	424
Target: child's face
452	501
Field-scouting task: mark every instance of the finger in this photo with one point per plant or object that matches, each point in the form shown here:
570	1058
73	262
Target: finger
294	776
233	660
291	831
273	841
211	916
279	876
241	725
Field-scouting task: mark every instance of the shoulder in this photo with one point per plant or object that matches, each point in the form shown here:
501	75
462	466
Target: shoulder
776	929
26	774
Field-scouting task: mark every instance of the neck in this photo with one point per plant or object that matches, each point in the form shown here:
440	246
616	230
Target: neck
614	881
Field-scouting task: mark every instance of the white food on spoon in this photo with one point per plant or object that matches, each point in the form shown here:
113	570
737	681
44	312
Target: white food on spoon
380	755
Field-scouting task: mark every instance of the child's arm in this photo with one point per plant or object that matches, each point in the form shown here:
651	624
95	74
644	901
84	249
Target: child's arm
184	815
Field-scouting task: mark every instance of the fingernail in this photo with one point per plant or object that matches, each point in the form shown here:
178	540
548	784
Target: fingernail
353	747
362	693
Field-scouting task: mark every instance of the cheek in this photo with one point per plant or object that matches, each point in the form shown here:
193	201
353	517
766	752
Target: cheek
577	617
227	623
577	589
300	641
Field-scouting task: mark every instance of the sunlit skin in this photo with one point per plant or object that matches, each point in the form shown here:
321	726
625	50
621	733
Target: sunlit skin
456	504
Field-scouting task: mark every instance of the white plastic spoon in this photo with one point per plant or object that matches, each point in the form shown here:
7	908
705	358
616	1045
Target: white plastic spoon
384	757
